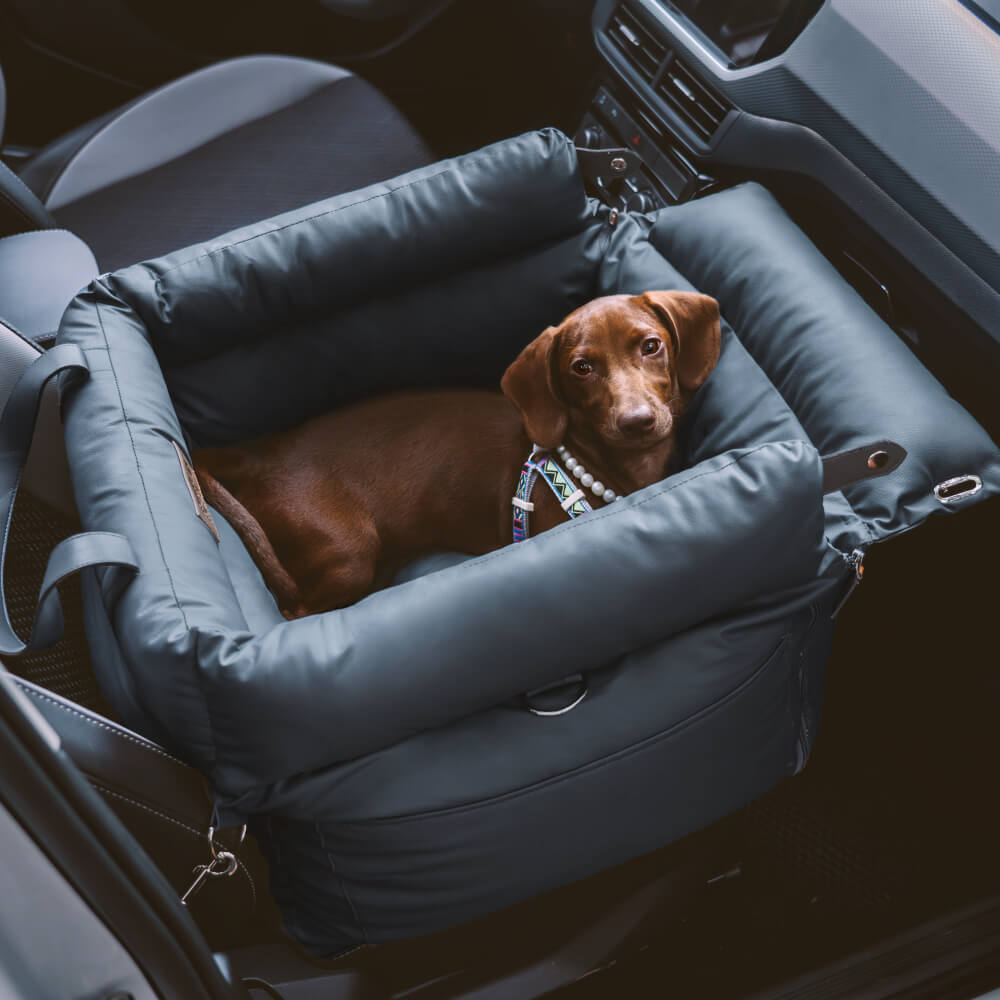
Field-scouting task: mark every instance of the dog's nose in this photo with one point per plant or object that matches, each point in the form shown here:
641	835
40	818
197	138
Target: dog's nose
637	421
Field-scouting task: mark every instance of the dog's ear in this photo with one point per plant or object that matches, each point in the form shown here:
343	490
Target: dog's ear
529	384
693	322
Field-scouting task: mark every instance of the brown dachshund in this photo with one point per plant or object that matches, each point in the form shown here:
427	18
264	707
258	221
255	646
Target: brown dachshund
332	509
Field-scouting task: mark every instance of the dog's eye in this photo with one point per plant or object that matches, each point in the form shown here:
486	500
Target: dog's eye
582	367
651	345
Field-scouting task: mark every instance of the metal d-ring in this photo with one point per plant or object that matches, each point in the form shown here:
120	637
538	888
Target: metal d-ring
951	490
212	844
223	864
549	713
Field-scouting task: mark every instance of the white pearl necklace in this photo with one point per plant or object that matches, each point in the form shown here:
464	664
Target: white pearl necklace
586	479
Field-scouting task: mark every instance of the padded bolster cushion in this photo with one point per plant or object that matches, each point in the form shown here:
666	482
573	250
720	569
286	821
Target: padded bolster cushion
444	217
738	405
845	374
253	709
463	330
281	310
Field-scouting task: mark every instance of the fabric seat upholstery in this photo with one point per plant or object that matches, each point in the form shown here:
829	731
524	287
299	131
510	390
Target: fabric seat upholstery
224	146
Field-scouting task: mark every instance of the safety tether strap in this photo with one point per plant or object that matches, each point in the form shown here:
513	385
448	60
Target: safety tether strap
88	549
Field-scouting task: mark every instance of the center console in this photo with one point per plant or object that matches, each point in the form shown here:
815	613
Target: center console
655	104
826	102
668	174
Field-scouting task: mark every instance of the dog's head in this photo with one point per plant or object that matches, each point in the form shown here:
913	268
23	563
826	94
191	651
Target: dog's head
620	367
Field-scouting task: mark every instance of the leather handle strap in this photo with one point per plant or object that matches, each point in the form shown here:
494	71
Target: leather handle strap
607	163
867	462
88	549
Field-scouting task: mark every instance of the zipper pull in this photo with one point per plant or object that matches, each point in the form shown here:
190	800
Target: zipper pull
856	561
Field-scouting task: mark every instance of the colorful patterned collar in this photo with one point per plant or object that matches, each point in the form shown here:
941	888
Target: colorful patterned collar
541	464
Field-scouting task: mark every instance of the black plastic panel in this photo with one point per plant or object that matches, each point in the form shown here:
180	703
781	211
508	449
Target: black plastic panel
909	96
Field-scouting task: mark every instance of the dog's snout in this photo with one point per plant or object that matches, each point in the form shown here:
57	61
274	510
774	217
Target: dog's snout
639	420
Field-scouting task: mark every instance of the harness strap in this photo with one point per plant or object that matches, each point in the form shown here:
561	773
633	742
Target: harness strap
571	498
87	549
521	500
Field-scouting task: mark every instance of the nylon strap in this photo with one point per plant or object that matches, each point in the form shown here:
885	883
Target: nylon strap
88	549
571	498
521	501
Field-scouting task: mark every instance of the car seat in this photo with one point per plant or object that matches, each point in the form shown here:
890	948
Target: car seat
223	146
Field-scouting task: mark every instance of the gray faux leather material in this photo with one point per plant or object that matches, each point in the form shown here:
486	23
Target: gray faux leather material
819	342
380	750
46	473
20	209
183	114
123	760
40	272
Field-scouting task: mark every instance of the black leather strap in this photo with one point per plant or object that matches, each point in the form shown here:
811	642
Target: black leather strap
97	548
607	163
867	462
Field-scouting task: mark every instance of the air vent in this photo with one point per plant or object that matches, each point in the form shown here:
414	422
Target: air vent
636	42
691	99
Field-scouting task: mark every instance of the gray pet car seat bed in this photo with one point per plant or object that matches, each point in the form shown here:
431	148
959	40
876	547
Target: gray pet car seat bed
381	752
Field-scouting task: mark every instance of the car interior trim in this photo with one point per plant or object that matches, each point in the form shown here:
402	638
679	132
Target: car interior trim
188	113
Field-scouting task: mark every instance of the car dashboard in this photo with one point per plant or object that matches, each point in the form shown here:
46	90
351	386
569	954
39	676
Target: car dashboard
891	115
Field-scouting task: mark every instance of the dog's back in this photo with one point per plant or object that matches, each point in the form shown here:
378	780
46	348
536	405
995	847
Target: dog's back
338	504
332	509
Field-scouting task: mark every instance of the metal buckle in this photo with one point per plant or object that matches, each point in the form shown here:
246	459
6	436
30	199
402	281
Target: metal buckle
223	864
612	163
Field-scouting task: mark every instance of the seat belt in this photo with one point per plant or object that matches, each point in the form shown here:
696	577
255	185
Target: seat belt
89	549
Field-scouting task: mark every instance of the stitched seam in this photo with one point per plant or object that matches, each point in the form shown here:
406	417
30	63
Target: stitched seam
19	184
471	161
340	878
869	530
18	209
140	102
864	523
138	465
297	222
104	790
138	741
142	805
149	507
343	954
27	190
249	878
289	908
620	754
36	232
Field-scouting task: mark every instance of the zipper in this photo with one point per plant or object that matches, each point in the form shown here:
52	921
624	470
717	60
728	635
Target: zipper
856	563
613	216
802	744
